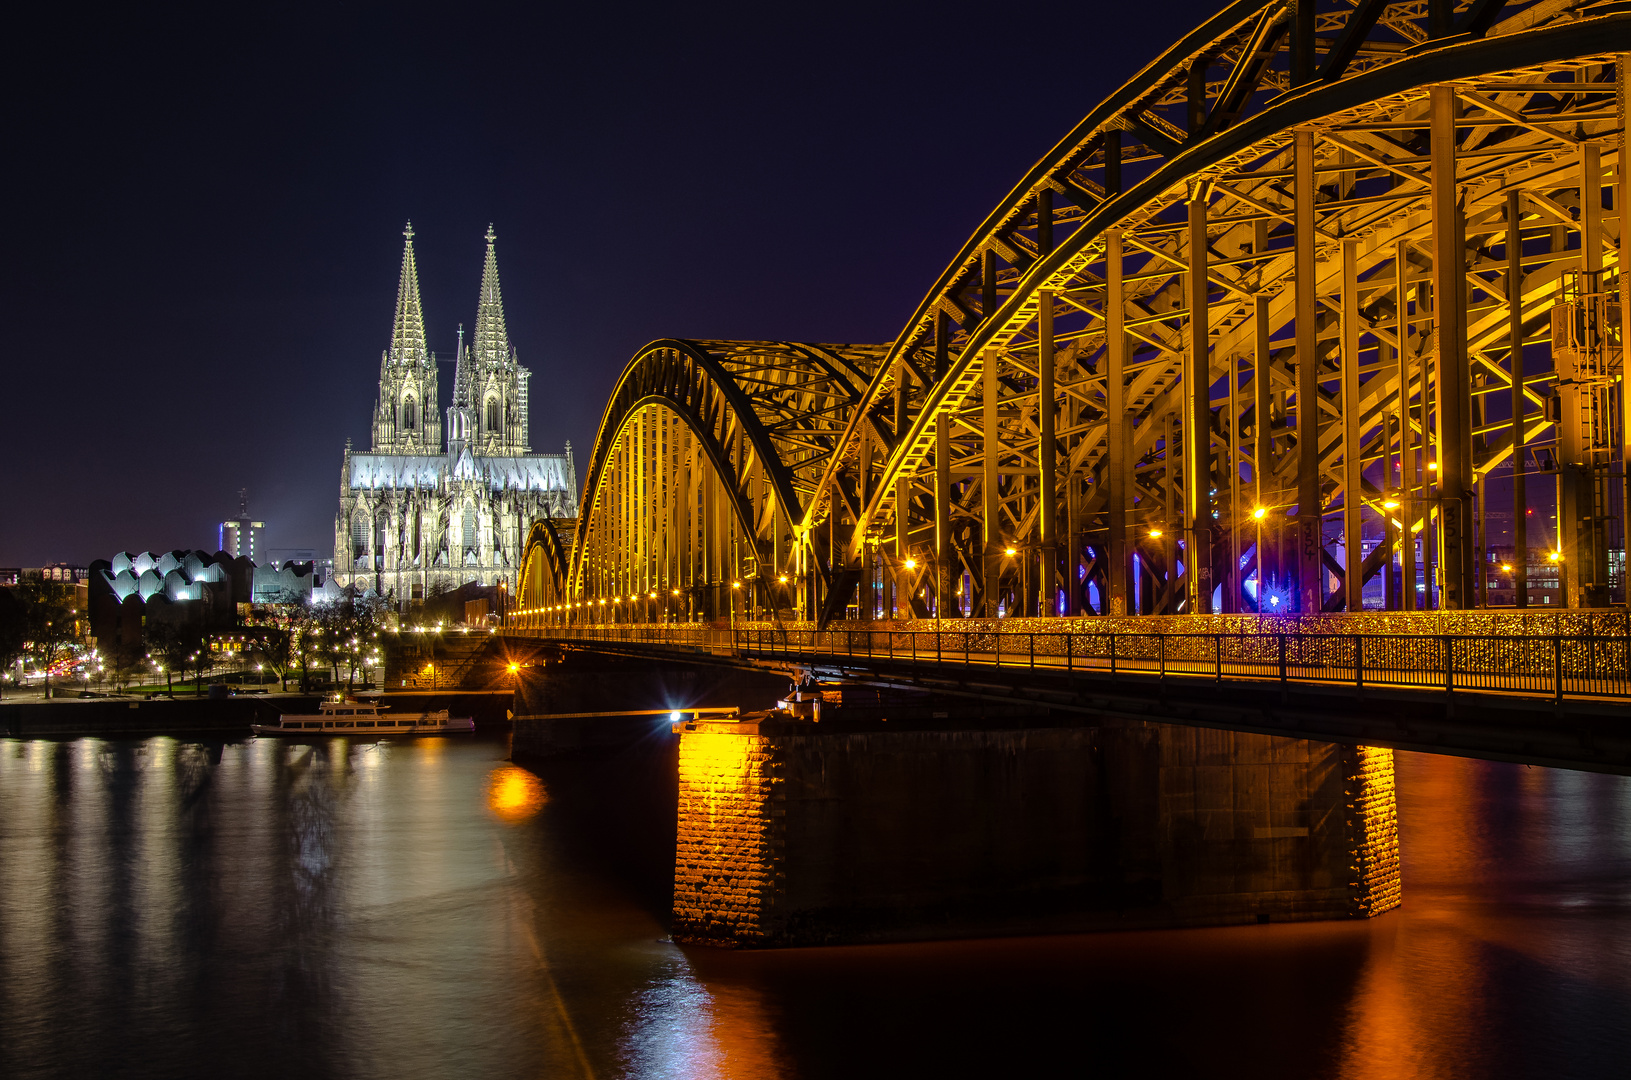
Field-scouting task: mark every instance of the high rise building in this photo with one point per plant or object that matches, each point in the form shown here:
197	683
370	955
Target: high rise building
236	536
419	514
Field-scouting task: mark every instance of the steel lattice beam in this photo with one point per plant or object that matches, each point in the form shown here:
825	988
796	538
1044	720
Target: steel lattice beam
1269	286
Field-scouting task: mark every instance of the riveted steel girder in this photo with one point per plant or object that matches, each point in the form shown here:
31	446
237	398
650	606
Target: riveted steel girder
545	564
1265	309
759	418
1369	176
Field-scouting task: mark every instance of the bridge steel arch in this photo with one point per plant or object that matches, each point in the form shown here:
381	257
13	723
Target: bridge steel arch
707	457
1274	318
545	564
1071	370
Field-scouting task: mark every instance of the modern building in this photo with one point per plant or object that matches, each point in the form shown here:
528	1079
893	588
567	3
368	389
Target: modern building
428	508
1544	585
237	535
64	573
195	588
321	561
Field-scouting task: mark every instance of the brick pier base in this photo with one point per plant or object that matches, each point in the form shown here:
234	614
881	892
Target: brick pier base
789	834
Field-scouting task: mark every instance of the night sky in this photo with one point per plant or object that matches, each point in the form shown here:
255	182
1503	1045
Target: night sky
205	216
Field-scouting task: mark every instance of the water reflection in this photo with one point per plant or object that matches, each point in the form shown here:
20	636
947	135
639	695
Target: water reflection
1512	957
514	794
425	908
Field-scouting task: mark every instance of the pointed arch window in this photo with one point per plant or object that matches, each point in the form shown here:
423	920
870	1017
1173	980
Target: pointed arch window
410	413
492	414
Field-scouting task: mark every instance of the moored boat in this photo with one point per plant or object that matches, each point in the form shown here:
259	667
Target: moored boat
364	718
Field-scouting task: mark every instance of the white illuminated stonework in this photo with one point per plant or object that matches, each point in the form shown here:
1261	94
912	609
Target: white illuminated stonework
419	516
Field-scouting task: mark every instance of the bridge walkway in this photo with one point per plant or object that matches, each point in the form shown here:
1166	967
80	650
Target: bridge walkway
1555	699
1554	667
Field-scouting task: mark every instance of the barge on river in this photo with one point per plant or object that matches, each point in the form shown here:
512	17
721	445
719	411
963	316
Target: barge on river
364	718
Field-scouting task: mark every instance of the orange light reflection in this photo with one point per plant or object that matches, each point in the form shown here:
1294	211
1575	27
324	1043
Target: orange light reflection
514	794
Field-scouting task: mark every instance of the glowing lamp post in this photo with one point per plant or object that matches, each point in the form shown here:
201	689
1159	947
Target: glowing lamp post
1257	520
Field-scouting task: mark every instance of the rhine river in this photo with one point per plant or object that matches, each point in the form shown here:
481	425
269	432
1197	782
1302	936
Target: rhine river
422	908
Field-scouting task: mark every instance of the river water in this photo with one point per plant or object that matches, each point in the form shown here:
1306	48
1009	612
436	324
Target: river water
423	908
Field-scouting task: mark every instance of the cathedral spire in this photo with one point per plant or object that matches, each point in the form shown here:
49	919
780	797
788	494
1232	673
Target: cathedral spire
492	341
408	326
461	371
406	415
460	421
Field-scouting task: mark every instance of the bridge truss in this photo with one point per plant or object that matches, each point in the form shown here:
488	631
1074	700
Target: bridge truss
1279	316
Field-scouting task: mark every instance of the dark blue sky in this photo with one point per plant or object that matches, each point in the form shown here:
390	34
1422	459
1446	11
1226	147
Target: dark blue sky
205	215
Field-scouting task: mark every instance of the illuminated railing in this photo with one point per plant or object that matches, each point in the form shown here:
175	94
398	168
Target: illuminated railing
1536	665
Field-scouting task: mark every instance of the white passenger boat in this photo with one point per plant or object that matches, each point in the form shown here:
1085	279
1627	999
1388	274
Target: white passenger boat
364	718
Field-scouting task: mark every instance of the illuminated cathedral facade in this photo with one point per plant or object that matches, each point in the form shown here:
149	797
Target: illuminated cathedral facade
443	499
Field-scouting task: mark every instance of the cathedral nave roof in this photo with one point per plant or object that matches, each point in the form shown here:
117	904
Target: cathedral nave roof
511	472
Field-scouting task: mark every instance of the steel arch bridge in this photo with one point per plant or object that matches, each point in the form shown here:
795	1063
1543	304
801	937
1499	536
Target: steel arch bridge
1283	314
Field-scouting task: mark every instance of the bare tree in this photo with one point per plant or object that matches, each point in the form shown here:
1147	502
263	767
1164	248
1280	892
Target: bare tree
125	660
174	646
13	632
49	622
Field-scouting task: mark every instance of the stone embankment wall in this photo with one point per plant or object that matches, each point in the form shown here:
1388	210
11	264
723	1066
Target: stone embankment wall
790	837
229	716
121	716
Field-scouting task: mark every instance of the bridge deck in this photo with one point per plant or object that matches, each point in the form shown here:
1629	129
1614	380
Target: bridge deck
1554	667
1543	699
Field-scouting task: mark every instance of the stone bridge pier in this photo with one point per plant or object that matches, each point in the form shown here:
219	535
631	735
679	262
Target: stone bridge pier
892	814
798	833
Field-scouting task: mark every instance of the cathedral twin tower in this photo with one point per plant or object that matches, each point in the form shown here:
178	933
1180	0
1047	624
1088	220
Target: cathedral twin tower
420	516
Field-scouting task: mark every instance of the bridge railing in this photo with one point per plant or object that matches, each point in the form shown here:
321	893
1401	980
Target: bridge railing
1556	665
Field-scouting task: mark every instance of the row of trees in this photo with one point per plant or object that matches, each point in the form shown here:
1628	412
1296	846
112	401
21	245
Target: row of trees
341	635
38	622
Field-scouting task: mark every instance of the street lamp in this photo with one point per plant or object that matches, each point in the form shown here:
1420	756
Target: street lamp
1258	515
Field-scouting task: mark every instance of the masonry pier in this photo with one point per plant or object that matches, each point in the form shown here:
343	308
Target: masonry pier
799	833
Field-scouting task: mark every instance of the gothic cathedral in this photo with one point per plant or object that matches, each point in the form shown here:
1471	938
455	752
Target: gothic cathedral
419	517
